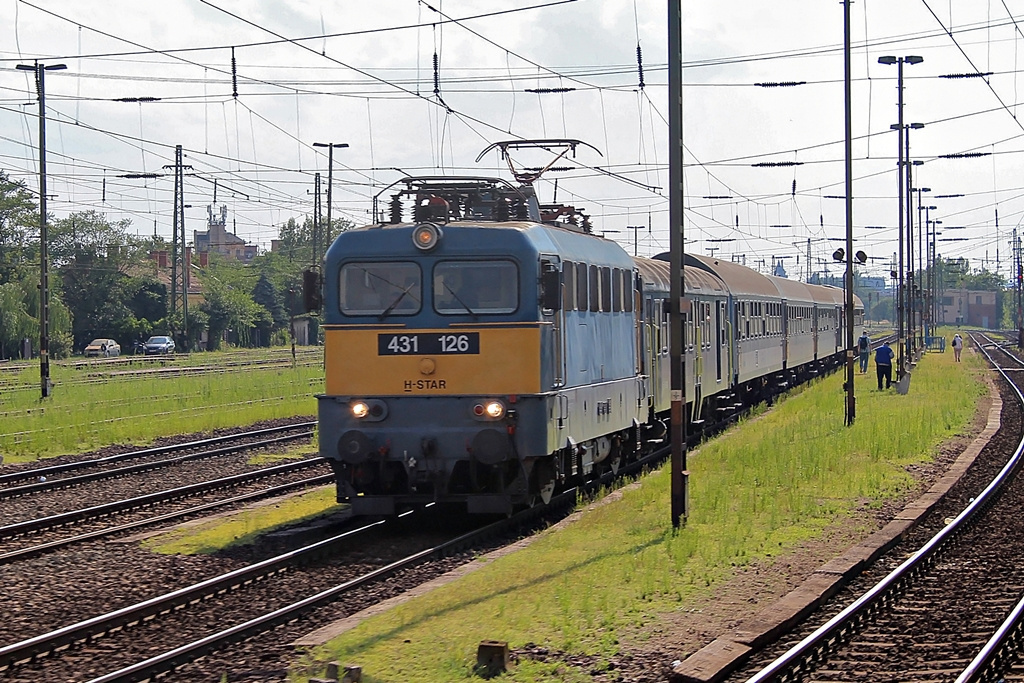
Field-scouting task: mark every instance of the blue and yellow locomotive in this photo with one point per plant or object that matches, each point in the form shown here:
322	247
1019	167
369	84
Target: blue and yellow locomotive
492	350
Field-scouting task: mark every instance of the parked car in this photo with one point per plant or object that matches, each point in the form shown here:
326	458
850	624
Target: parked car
102	348
158	345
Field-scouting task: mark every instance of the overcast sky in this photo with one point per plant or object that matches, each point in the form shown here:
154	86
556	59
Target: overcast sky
364	76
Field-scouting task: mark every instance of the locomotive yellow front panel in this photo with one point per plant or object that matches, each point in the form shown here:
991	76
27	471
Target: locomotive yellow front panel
400	361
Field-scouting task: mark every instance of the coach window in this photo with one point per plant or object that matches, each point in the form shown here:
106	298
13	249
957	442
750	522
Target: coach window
595	289
606	289
616	290
476	287
627	289
569	282
581	287
382	288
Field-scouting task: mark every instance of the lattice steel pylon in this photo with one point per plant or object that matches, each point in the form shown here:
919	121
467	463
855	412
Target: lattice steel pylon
179	265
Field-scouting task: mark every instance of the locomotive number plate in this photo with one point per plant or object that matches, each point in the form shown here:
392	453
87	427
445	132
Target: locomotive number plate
431	343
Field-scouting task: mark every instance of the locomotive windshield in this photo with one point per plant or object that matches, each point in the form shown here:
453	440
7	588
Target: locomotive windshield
381	288
475	287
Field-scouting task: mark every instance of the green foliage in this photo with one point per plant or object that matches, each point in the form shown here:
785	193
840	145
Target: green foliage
228	309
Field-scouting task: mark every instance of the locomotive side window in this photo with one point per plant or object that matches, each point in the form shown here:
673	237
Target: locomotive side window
606	289
616	290
581	286
627	287
569	282
475	287
383	288
595	289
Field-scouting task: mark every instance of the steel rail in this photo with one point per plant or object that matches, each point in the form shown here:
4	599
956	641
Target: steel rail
39	549
46	643
835	628
64	518
69	482
157	450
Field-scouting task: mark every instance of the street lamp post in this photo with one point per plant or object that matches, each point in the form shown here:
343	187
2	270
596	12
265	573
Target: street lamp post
330	177
636	236
927	220
901	293
932	277
44	256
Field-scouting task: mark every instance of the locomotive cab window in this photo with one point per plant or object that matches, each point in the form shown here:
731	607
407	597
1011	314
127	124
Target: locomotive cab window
383	288
474	287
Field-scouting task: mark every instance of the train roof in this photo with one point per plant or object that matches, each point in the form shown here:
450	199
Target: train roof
656	273
792	290
565	241
739	279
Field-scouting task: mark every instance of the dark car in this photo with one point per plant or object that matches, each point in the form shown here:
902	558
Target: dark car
158	345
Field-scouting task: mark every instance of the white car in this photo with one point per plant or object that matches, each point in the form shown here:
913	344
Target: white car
102	348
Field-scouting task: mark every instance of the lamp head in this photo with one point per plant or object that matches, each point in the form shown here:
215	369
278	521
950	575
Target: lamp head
888	59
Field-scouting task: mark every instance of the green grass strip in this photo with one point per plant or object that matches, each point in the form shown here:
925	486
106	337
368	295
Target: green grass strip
133	408
243	527
756	492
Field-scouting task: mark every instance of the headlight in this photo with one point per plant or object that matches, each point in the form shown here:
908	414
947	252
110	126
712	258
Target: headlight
368	410
489	409
426	236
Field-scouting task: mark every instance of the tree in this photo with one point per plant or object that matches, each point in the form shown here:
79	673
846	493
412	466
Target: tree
106	286
229	309
19	216
266	295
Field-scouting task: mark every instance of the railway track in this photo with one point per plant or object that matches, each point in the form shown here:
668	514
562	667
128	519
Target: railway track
36	515
925	614
63	475
152	637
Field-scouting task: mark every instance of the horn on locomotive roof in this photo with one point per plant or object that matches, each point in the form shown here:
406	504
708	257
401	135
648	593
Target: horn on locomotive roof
527	176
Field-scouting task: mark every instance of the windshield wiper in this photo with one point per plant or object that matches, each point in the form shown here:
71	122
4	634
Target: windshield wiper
456	296
401	295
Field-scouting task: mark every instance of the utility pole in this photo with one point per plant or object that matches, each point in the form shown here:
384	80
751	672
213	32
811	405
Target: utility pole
677	297
903	342
178	276
1019	263
330	183
317	221
44	253
851	401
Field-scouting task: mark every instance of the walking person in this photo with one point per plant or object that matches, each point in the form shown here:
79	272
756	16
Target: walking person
958	346
864	347
883	364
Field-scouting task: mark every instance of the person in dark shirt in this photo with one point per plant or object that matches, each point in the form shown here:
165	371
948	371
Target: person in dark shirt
883	364
864	349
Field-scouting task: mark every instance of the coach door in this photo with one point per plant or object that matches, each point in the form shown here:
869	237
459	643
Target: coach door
784	313
553	297
840	328
720	338
814	329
